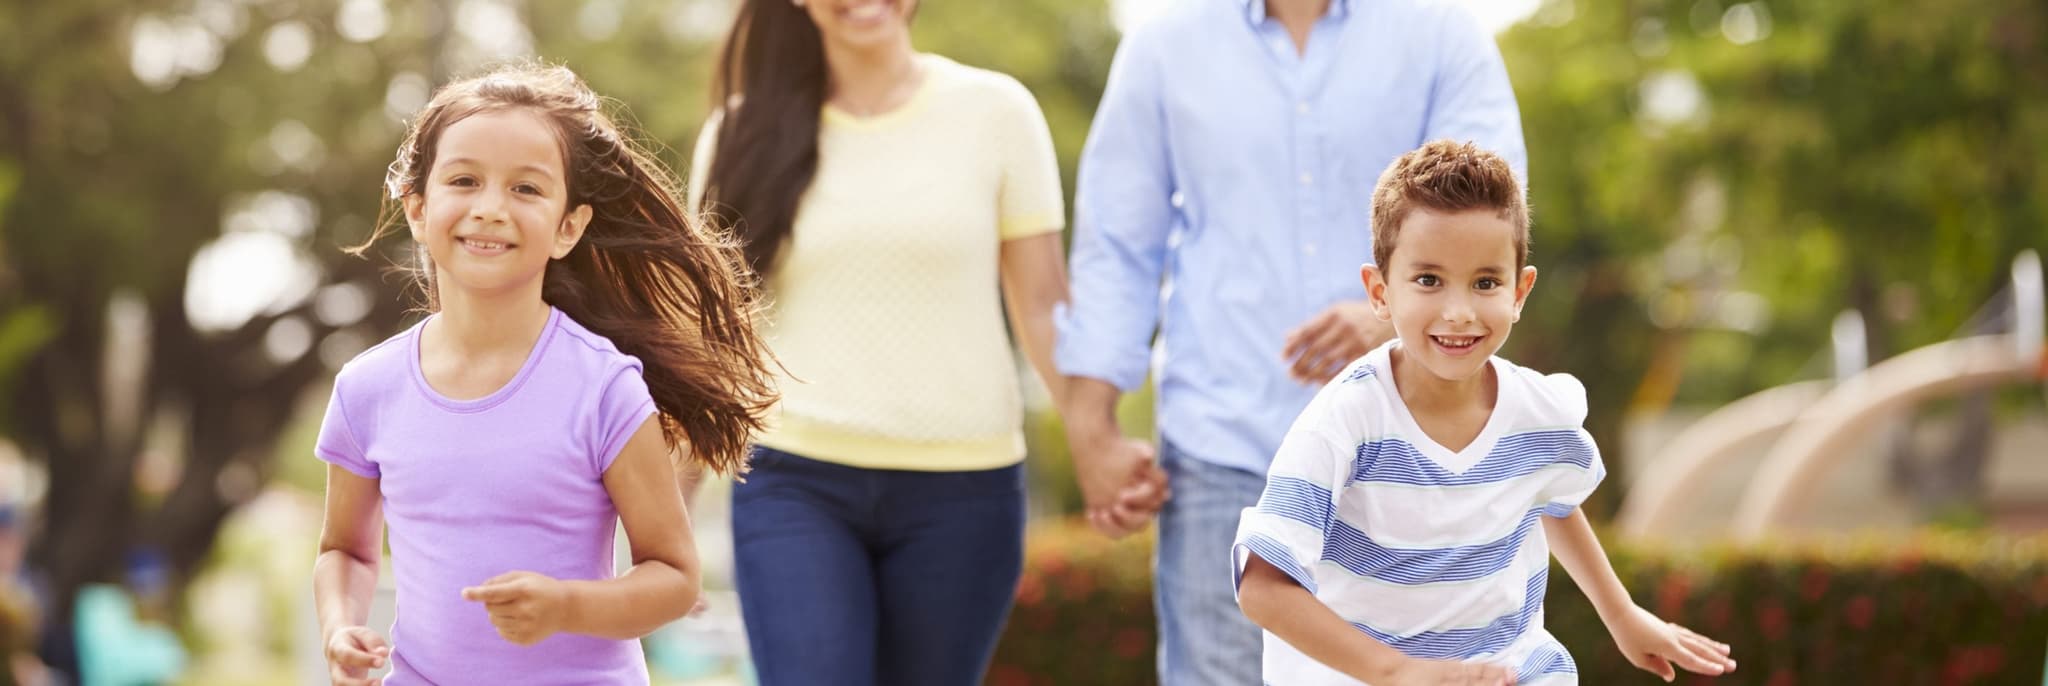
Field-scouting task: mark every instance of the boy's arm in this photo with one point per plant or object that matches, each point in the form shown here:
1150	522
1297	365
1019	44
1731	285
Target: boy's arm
1648	642
1273	600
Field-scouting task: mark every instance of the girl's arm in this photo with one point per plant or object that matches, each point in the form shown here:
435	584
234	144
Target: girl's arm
661	587
1277	604
1649	643
345	575
1034	276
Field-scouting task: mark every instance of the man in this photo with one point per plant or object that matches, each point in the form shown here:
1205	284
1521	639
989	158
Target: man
1224	198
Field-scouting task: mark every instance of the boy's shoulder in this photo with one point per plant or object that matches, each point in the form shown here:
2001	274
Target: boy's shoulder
1557	399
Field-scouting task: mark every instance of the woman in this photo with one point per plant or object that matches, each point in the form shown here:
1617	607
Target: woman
884	195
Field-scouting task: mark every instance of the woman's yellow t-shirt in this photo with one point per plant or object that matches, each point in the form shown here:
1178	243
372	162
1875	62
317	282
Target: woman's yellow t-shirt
885	303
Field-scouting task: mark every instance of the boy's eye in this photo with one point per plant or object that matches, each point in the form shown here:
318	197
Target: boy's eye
1489	283
527	188
1427	281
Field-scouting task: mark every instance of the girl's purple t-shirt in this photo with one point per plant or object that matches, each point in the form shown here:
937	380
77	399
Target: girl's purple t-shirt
513	481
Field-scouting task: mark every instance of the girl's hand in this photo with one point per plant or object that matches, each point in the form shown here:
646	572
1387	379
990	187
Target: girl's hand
1446	673
352	651
1652	645
525	607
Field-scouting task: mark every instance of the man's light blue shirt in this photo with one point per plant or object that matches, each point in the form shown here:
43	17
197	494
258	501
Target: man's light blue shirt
1225	195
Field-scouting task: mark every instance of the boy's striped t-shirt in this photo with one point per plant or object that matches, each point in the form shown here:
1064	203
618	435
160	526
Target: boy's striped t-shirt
1435	552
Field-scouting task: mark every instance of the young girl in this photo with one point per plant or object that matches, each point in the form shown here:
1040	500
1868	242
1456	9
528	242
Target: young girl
895	201
582	328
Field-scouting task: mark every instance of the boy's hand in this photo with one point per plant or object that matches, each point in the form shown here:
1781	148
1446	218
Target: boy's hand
1321	346
525	607
352	651
1652	645
1446	673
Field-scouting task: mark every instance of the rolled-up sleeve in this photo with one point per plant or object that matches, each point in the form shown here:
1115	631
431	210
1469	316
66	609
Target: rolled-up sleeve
1122	213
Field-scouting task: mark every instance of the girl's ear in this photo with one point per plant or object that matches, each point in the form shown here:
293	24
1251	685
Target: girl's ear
1525	283
1376	290
416	216
571	231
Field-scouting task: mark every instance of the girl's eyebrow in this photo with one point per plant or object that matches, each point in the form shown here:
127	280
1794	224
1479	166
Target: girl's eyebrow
528	167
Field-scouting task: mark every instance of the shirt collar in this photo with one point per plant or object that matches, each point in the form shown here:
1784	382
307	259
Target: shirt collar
1255	10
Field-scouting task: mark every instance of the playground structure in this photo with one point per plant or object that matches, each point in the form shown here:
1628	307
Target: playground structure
1822	421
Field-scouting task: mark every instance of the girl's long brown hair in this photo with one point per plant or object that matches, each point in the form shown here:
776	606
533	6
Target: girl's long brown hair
660	285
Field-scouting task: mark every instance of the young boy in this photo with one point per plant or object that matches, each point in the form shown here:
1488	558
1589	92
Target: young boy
1398	538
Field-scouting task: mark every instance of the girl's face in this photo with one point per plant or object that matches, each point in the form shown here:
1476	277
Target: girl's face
1451	289
860	24
494	208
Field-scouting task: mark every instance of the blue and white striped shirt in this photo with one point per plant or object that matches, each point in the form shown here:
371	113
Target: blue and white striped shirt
1437	553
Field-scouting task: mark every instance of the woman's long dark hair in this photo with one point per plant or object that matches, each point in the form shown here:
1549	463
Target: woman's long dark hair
647	276
770	87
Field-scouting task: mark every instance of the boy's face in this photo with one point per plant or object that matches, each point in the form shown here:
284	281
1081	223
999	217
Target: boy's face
1450	288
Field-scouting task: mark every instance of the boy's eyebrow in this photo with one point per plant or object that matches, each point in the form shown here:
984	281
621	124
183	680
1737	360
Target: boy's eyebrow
1434	267
528	167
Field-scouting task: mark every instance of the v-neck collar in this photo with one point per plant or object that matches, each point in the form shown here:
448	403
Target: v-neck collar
1453	461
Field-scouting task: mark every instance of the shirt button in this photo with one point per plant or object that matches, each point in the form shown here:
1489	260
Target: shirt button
1308	249
1301	107
1306	179
1177	199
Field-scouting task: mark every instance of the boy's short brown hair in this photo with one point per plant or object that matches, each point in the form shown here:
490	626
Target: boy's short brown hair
1447	176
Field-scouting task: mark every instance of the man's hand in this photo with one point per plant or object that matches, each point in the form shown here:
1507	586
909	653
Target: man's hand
1321	346
1120	479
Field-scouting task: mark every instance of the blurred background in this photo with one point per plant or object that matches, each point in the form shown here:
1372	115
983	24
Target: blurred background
1790	247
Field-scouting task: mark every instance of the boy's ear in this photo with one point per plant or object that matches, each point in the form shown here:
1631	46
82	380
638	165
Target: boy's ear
416	216
1376	291
571	230
1524	282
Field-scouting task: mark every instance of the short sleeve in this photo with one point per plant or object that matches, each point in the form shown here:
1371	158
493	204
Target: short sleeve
624	405
1030	201
1292	518
1578	471
338	443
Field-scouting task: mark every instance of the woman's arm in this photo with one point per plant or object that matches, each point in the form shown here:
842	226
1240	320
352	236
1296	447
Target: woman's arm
1034	276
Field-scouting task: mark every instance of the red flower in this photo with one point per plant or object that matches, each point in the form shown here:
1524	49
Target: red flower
1771	619
1861	610
1814	584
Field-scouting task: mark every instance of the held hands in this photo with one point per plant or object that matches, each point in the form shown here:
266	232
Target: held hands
525	607
1414	672
1652	645
352	651
1120	480
1321	346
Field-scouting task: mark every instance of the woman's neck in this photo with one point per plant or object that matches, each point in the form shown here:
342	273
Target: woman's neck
871	81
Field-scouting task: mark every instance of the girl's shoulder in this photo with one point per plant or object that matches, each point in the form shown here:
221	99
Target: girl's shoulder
581	347
389	359
973	85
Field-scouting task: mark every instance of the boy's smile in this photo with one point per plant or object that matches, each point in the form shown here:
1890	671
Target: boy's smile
1450	288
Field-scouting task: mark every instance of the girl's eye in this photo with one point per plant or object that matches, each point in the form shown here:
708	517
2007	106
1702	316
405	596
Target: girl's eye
1427	281
1489	283
462	181
527	188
